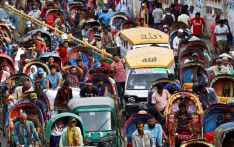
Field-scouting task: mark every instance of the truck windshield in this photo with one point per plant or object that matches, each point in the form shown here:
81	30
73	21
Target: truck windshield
97	121
142	80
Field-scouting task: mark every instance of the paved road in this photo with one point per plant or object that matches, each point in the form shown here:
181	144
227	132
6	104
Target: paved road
3	140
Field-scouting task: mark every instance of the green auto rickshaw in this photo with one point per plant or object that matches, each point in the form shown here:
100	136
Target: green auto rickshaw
55	126
100	120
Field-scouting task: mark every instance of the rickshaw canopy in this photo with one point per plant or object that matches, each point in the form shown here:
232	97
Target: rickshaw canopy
221	132
142	35
150	57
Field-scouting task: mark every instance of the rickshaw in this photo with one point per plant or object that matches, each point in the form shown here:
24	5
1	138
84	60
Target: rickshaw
188	74
101	110
224	87
73	7
6	32
13	117
194	108
7	63
128	24
44	58
42	97
178	25
56	124
213	62
213	117
52	15
117	20
224	135
92	24
197	143
38	64
44	34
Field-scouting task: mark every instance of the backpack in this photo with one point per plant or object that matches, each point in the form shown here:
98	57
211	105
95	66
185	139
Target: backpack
168	20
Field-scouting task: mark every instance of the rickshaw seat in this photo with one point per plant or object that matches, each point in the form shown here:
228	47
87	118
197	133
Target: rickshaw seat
209	136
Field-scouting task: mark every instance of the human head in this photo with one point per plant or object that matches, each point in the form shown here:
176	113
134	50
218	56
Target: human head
227	116
53	69
40	72
73	70
191	8
33	97
105	30
103	61
79	62
225	60
172	6
22	57
182	107
51	60
116	57
221	23
100	82
90	57
180	32
26	86
140	127
151	121
66	84
159	88
86	26
198	15
195	57
171	76
227	50
33	69
38	33
72	122
23	118
66	44
32	114
167	10
89	84
217	19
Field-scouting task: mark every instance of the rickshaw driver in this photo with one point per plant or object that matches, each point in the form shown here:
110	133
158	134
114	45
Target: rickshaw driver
39	103
224	118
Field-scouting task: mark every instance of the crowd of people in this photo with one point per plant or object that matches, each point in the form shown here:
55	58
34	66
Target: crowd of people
70	74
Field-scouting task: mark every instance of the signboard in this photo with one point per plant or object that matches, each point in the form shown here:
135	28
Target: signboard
149	70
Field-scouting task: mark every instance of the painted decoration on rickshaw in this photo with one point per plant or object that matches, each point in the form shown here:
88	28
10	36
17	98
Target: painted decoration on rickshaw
191	106
117	22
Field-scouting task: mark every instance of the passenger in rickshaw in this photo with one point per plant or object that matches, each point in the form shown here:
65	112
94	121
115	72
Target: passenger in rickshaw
92	62
223	118
207	96
34	99
63	52
177	40
33	72
40	44
103	89
74	75
19	91
32	116
23	132
53	80
226	63
58	23
89	90
51	62
3	75
219	68
156	131
31	53
160	98
71	135
86	32
199	77
40	80
106	38
84	68
35	12
64	94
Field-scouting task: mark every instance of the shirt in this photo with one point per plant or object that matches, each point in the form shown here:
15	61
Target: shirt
120	73
5	75
19	91
208	99
196	25
157	14
217	71
54	79
35	13
63	53
156	134
84	92
160	101
175	43
145	141
219	29
184	18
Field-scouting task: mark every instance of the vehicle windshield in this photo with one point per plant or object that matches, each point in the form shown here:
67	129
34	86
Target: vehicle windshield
97	121
142	79
2	14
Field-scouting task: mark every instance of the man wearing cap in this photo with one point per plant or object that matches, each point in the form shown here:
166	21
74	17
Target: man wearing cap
31	53
19	91
39	103
226	63
219	68
177	40
71	135
40	81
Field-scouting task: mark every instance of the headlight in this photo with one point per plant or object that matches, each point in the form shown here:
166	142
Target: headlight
131	99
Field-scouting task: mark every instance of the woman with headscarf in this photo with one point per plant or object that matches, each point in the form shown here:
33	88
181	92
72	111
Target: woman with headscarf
33	72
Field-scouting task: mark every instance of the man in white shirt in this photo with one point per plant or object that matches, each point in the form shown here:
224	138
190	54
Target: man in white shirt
177	39
191	12
157	15
184	18
34	12
221	32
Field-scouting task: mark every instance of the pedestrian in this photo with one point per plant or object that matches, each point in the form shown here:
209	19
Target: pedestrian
192	12
71	135
144	13
23	132
168	18
54	79
141	137
155	130
212	31
184	17
39	104
157	15
197	25
40	80
221	31
175	9
118	68
64	94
